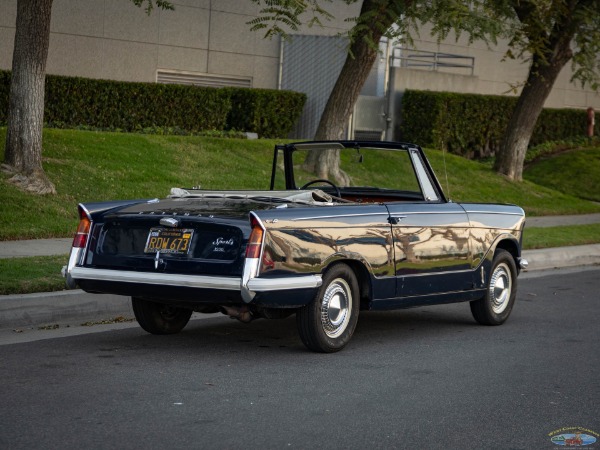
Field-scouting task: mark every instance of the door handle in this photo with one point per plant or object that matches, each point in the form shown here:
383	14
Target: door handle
395	220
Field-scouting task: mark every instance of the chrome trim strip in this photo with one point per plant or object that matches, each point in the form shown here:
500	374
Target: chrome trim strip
495	212
445	272
412	213
276	284
168	279
335	216
442	293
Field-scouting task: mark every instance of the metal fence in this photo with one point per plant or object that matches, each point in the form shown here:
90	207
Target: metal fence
420	59
311	64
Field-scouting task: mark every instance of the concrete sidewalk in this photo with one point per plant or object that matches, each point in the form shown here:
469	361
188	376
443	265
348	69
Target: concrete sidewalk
35	247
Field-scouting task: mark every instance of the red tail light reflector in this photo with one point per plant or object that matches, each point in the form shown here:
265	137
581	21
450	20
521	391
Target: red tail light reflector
83	230
256	238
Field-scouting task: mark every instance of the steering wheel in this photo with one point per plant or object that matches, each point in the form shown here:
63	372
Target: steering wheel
322	180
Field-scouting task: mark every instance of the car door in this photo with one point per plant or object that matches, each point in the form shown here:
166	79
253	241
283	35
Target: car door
431	248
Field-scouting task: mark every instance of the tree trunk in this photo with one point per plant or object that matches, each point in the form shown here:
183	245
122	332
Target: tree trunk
355	72
23	153
540	80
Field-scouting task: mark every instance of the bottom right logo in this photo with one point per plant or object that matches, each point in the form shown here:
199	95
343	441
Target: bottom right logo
573	437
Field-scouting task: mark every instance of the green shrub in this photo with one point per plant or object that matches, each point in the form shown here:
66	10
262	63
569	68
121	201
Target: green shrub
267	112
472	125
130	106
73	102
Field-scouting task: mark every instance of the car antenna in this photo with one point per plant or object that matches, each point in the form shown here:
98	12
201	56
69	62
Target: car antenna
446	172
360	156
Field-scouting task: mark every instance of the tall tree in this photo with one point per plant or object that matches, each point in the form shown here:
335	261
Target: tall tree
395	19
23	152
548	33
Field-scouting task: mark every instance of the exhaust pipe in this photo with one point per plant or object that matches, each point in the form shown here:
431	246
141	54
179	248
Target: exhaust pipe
241	313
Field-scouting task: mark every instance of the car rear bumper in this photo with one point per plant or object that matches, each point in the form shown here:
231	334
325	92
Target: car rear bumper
273	291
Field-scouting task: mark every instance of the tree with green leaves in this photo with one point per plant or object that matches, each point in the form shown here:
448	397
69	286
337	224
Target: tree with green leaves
395	19
23	151
547	34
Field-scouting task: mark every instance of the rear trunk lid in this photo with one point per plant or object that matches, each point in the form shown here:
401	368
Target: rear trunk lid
197	236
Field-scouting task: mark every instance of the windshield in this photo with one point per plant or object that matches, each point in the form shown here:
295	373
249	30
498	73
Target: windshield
382	169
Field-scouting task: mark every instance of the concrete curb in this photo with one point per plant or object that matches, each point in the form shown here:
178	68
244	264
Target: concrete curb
79	306
550	258
60	307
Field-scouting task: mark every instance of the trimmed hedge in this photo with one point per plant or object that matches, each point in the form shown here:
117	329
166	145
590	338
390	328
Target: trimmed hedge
127	106
472	125
264	111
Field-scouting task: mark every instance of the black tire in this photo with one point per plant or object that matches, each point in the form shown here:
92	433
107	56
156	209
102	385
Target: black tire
497	304
328	322
158	318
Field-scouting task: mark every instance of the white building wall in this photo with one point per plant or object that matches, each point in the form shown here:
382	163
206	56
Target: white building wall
113	39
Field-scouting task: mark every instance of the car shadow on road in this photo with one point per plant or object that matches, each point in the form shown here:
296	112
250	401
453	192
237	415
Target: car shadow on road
221	334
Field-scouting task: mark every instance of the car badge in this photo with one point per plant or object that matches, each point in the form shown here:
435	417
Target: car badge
169	222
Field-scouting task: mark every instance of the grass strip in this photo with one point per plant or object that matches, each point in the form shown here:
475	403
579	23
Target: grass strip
561	236
34	274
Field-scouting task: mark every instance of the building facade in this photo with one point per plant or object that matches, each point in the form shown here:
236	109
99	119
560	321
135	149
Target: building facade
209	43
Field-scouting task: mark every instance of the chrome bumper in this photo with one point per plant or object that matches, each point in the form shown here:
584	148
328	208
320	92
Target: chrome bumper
247	291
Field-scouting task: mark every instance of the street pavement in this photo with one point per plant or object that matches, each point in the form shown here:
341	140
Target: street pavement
76	306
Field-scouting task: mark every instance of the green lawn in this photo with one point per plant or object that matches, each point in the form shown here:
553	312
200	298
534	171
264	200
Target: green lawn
576	173
561	236
37	274
89	166
92	166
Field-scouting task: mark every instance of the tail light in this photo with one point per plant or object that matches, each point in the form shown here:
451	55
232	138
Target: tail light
255	241
83	230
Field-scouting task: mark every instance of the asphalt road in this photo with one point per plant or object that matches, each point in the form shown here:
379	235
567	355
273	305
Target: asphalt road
419	378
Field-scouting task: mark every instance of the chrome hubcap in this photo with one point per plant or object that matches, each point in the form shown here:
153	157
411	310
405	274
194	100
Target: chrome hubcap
336	308
500	288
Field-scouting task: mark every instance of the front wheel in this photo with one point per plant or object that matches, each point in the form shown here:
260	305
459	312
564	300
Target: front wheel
495	307
328	322
158	318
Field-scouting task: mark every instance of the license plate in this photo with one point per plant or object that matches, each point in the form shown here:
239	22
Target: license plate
169	241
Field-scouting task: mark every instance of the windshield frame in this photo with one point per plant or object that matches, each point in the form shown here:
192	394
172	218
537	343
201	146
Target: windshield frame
428	182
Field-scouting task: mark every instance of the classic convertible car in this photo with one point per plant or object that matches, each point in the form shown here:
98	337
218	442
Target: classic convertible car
387	238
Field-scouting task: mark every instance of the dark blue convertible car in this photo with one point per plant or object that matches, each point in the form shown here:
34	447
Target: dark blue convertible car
319	248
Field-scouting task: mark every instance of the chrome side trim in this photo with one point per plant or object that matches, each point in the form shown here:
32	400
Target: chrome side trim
495	212
431	213
168	279
277	284
445	272
336	216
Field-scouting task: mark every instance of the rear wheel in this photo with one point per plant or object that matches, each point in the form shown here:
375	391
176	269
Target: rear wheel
158	318
495	307
328	322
